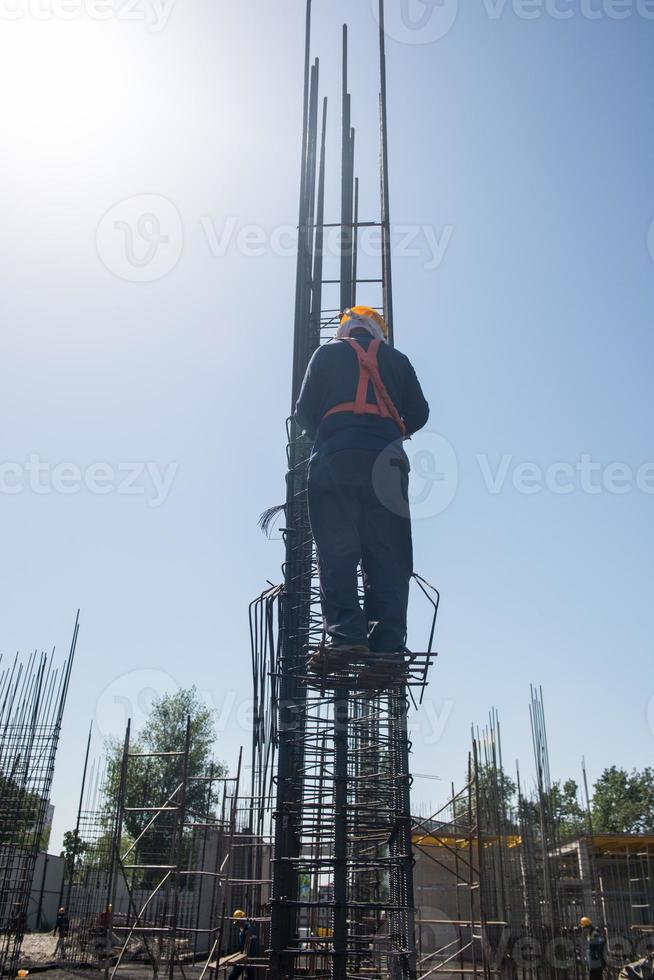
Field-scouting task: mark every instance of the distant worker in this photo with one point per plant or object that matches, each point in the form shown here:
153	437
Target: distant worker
594	950
360	398
62	926
17	921
102	932
247	945
105	918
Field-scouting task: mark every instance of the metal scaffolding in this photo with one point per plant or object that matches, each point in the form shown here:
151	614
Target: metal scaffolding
32	700
342	899
154	869
502	879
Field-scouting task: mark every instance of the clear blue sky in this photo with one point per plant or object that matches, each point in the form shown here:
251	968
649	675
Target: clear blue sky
527	143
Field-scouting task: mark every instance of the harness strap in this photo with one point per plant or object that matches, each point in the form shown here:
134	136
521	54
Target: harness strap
369	374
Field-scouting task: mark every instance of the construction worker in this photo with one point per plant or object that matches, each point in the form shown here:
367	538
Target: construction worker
359	399
17	920
247	945
102	932
594	950
62	926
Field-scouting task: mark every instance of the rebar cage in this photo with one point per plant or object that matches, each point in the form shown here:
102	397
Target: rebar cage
342	897
32	700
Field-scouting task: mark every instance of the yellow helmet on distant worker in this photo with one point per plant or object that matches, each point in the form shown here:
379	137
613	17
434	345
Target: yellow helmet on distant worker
584	922
367	313
239	914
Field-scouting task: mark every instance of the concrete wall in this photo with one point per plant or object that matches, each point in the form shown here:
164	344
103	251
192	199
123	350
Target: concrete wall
45	891
436	893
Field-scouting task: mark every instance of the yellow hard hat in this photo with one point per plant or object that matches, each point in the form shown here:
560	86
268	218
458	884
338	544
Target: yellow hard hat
370	313
23	973
584	922
238	914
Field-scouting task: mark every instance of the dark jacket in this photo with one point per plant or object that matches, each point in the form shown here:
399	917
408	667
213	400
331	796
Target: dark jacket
247	940
594	949
332	377
62	924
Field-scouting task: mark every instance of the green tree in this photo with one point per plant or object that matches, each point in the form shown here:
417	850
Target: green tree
23	811
623	802
497	793
566	810
154	780
74	848
558	813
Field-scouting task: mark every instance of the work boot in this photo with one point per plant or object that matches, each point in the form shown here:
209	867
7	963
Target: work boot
383	671
334	656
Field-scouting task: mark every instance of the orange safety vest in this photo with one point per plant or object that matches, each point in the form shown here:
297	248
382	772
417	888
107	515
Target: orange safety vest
369	374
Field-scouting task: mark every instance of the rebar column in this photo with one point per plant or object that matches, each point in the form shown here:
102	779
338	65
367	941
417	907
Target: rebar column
339	961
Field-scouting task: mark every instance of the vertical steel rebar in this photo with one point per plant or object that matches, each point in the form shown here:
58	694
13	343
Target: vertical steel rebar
339	962
116	838
385	193
180	818
79	816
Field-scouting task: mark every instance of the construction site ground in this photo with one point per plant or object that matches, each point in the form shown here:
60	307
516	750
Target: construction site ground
38	956
129	972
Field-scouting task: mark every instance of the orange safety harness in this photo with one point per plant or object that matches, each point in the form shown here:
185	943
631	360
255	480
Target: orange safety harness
369	374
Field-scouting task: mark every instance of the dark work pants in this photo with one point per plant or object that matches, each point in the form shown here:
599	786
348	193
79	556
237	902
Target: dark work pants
238	971
359	511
